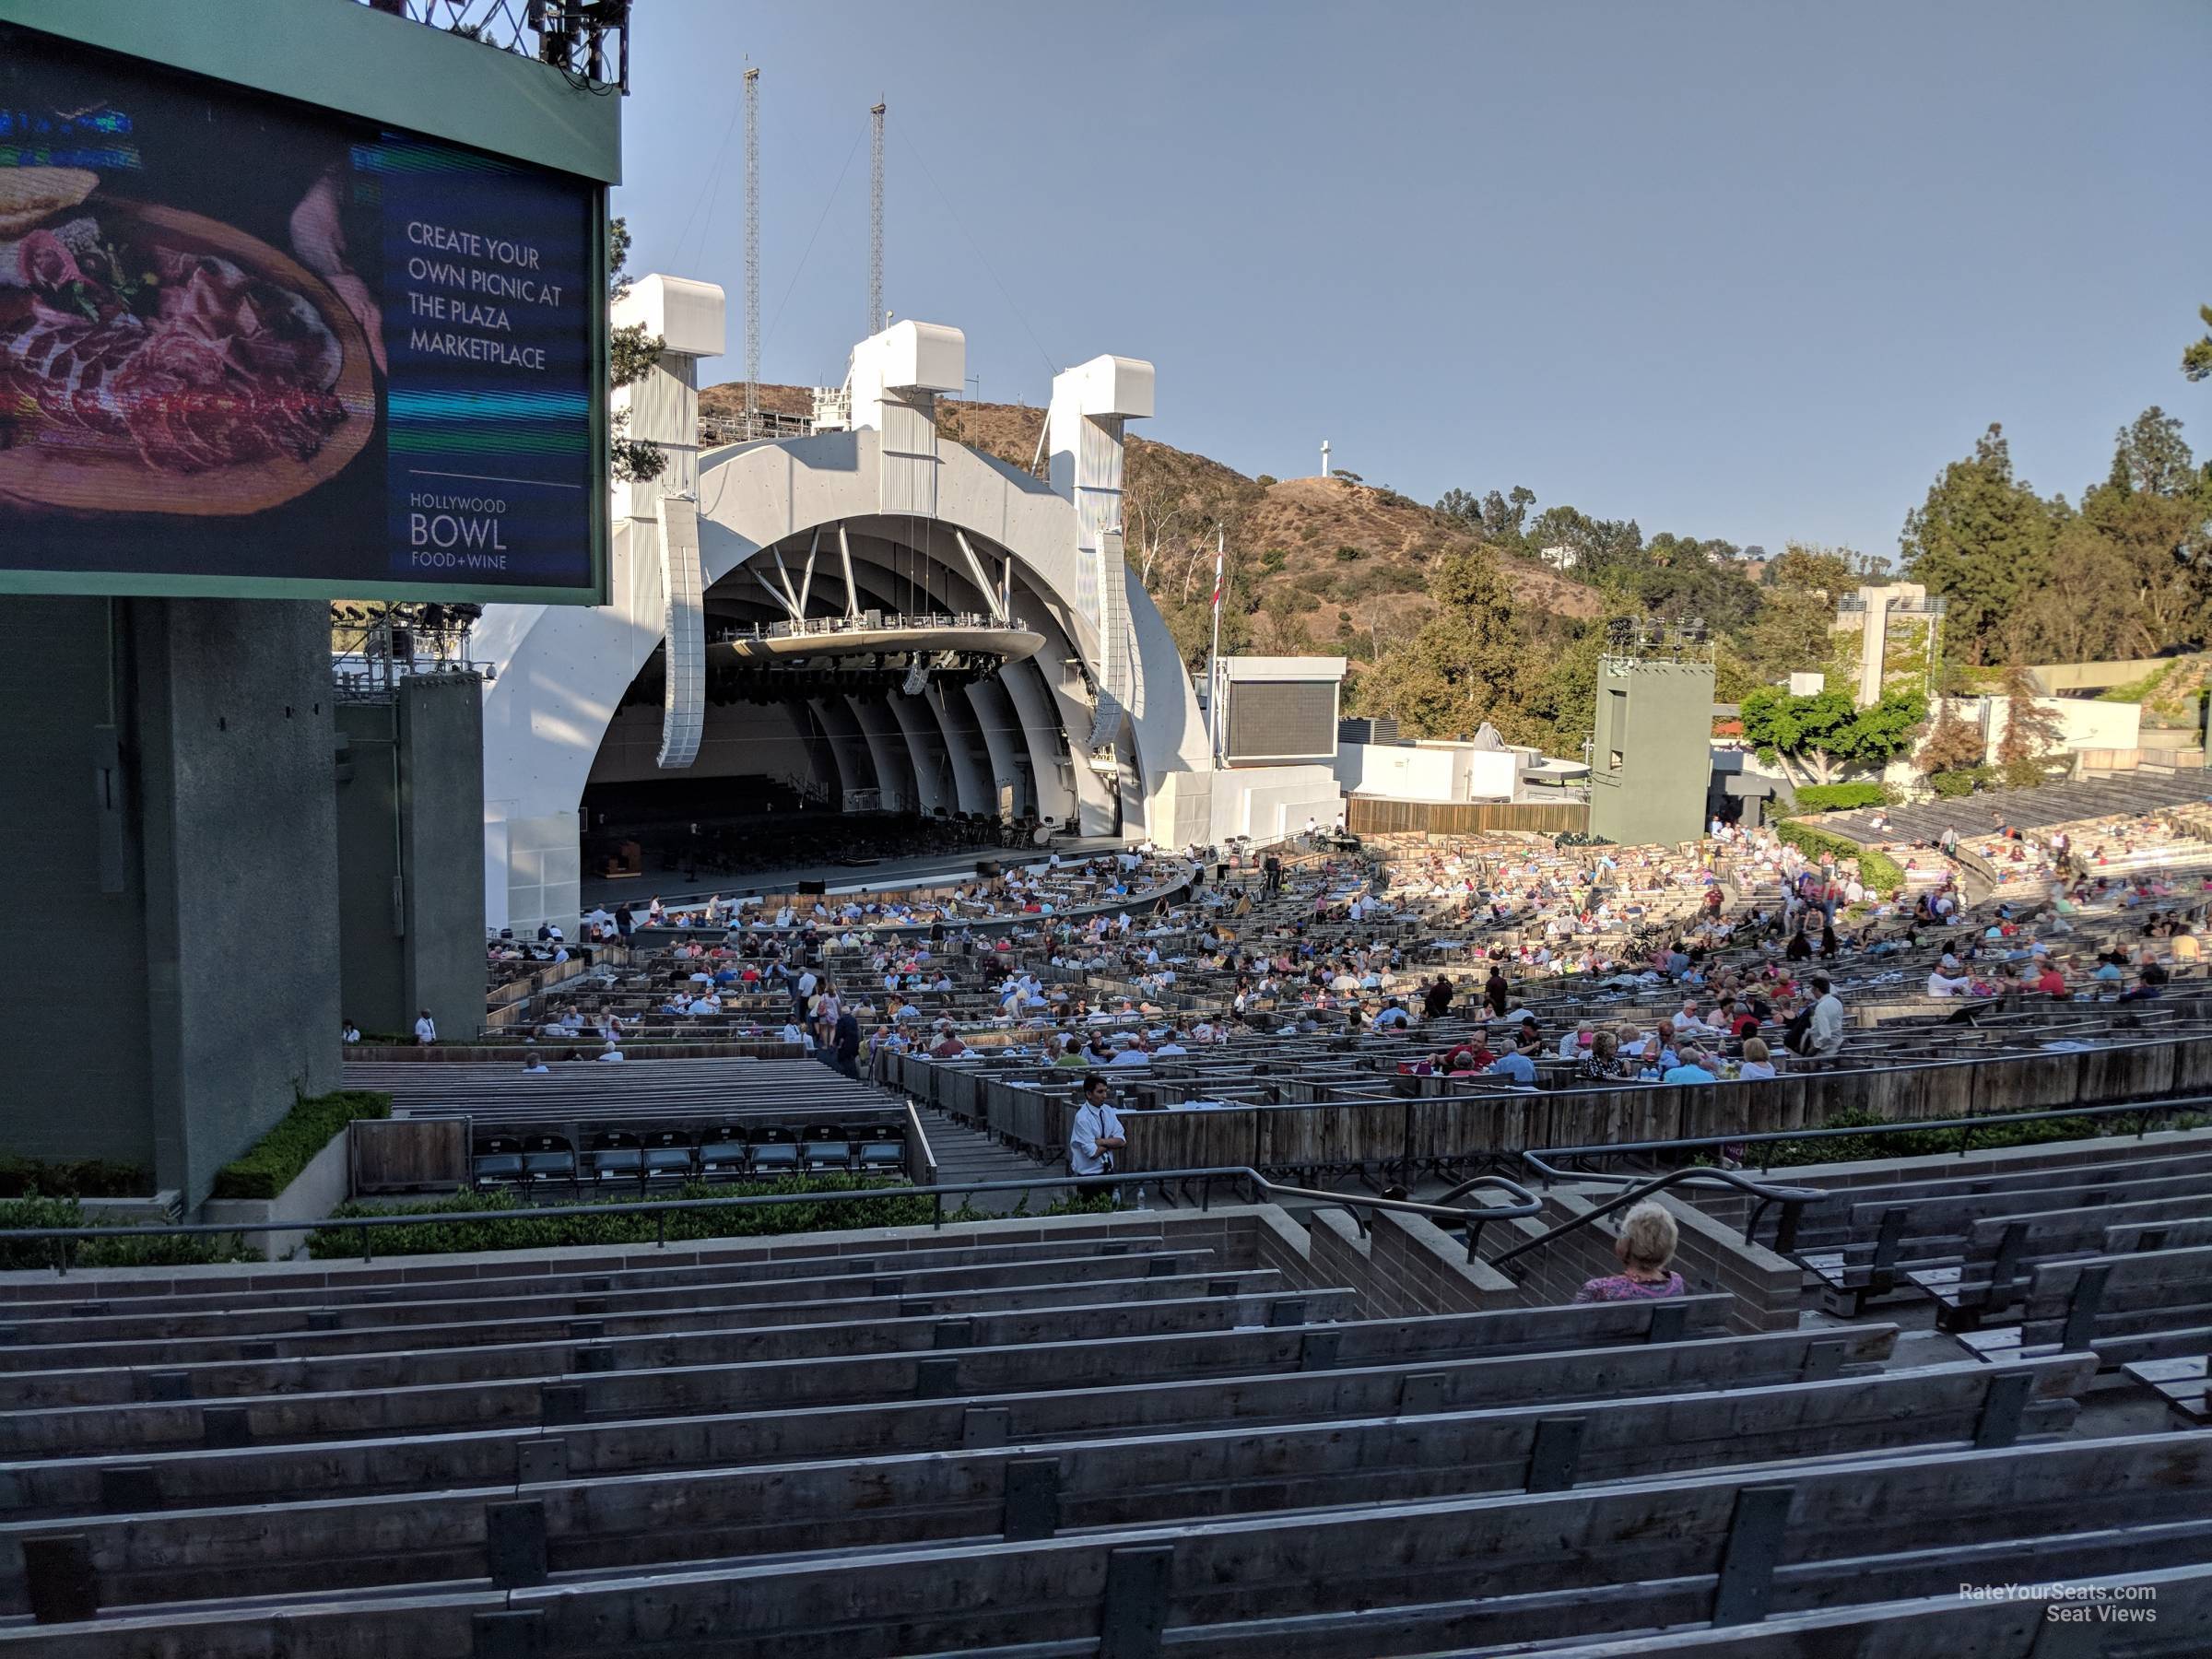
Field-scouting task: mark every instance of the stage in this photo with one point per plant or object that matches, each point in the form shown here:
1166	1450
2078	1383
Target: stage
890	873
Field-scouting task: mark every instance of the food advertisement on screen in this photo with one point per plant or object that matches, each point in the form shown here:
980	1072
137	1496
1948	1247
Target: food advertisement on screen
245	339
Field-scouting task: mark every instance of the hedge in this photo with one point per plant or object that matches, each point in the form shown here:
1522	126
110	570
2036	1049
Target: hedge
274	1160
174	1250
85	1178
1844	797
1878	871
471	1221
1904	1141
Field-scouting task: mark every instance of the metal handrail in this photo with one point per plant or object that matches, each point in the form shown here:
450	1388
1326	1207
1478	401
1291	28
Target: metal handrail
1792	1199
1525	1203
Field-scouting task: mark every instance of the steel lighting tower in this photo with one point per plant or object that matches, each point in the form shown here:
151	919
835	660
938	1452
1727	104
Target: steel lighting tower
875	222
752	249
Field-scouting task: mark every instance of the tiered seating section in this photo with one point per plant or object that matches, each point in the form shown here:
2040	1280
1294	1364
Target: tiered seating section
1133	1435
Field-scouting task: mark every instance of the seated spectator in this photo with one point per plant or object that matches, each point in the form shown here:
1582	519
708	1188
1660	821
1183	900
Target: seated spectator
1945	980
348	1032
1646	1244
1759	1061
1516	1066
1691	1069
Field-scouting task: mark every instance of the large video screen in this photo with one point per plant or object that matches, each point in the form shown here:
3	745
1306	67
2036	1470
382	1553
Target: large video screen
247	340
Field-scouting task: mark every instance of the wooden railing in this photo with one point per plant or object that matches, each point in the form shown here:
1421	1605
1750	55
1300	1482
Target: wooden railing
1365	814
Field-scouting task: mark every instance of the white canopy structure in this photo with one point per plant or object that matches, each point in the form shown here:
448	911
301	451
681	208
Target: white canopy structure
1032	674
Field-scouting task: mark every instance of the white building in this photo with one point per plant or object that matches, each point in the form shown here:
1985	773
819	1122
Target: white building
1445	770
879	541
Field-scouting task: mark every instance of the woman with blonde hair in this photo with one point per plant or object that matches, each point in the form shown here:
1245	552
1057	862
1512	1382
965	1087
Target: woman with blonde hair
1646	1244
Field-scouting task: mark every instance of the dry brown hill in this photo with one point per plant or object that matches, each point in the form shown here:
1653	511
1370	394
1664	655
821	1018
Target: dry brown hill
1329	563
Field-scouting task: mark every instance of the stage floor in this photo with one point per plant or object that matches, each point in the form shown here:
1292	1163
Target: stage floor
674	892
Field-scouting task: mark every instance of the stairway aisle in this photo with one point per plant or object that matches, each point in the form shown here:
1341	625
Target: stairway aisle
965	1154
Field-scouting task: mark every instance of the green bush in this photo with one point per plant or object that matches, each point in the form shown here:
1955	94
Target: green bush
1347	553
1844	797
1904	1141
472	1220
175	1249
87	1178
2026	774
274	1160
1956	786
1877	870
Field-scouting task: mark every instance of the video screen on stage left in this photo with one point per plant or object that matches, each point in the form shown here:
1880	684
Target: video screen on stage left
248	345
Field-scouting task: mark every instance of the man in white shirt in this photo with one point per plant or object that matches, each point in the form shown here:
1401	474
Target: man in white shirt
1391	1017
426	1029
611	1053
1131	1053
1826	1030
1095	1136
1944	979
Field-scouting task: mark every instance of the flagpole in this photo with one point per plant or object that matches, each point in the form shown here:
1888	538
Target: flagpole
1213	660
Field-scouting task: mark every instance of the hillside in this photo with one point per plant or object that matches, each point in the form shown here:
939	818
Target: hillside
1317	563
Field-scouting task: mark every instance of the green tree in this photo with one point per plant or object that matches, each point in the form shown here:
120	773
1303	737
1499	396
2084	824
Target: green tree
631	354
1465	665
2197	361
1982	539
2095	605
2149	548
1814	738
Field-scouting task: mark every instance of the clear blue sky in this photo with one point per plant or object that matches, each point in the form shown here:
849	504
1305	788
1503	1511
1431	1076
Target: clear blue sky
1752	270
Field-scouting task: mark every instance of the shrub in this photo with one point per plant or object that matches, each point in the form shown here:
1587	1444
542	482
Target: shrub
2025	772
1347	554
155	1250
1902	1140
274	1160
1266	479
1844	797
1955	785
1075	1204
1877	870
468	1221
85	1178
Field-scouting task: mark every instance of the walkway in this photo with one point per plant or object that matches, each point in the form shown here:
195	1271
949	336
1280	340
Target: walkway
965	1154
2025	808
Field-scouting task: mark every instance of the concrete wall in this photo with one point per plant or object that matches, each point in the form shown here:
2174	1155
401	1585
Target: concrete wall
1657	716
79	1083
1429	772
2083	723
410	824
1404	775
235	737
177	1013
1711	1257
